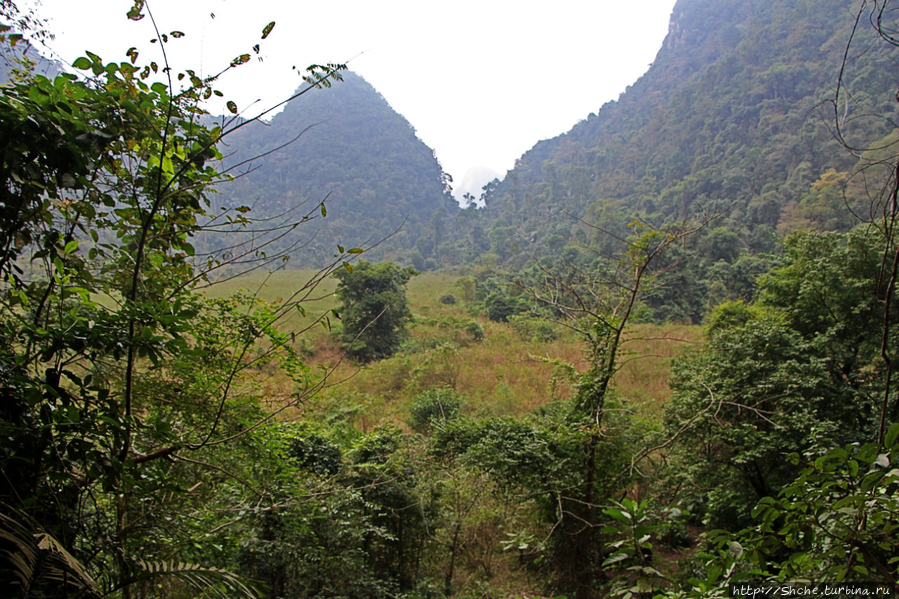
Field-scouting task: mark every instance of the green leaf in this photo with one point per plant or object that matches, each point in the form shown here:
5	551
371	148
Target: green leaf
890	438
267	29
868	453
837	453
70	248
323	209
609	530
355	251
232	107
617	514
618	557
870	480
82	63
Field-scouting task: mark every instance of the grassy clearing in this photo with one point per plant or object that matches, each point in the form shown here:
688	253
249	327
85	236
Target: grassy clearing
501	374
646	364
281	285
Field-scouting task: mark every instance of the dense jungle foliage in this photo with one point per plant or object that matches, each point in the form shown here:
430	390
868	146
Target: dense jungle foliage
744	118
164	437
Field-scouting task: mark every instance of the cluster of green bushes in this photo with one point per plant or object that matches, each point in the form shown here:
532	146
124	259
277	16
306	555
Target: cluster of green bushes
785	399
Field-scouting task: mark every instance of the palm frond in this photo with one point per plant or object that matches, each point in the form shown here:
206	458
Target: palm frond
35	556
212	581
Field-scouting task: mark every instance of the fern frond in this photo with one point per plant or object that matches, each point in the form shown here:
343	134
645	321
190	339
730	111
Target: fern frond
214	581
34	555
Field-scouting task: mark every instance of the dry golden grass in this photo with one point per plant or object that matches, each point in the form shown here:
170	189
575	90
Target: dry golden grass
646	364
502	374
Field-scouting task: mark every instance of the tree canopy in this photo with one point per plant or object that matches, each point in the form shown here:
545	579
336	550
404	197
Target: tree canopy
124	391
374	310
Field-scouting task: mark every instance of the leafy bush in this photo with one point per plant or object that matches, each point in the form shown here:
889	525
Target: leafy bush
434	405
500	307
838	519
531	328
835	521
475	329
375	311
798	370
448	299
517	453
377	446
317	453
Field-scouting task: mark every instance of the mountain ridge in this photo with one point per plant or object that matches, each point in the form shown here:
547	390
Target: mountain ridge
730	76
347	147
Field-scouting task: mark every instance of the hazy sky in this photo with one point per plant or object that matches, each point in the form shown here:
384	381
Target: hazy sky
480	80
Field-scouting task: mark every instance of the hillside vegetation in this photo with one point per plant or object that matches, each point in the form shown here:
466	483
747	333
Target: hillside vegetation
736	116
503	369
346	147
749	119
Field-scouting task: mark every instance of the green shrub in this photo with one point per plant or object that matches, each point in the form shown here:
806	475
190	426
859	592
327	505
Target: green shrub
474	328
437	404
374	310
317	453
533	329
500	307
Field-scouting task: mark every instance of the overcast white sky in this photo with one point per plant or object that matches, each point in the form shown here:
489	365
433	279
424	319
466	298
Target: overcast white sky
480	80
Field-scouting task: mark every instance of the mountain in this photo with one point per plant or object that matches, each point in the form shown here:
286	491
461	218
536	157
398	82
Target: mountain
347	147
735	117
343	146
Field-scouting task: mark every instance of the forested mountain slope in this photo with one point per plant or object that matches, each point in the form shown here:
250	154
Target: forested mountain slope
735	117
352	151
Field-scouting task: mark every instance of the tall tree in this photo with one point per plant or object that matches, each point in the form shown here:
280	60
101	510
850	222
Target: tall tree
599	305
374	309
